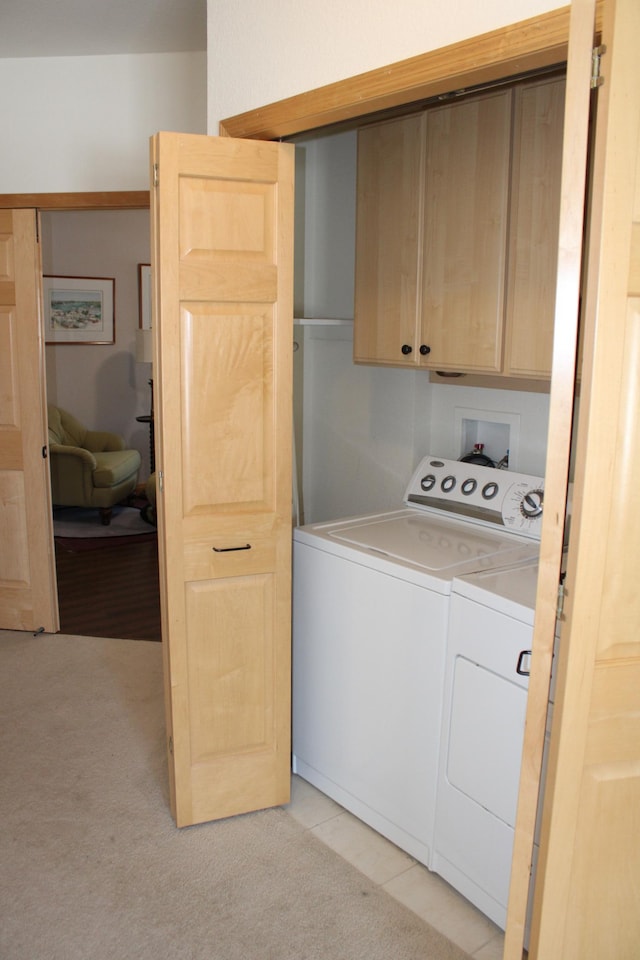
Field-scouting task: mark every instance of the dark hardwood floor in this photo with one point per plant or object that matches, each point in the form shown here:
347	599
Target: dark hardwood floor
111	590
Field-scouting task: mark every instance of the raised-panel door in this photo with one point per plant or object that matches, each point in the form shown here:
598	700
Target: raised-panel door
28	599
388	241
534	223
586	897
223	240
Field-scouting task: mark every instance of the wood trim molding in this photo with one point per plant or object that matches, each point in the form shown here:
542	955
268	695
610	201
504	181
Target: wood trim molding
105	200
518	48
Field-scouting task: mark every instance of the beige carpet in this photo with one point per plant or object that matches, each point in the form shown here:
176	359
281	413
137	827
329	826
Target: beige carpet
93	867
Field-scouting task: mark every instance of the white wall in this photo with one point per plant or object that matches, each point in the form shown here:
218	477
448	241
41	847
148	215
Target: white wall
325	225
262	52
525	413
101	384
83	123
364	428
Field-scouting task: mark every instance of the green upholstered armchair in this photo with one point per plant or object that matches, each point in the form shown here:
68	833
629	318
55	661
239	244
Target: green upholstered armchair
89	468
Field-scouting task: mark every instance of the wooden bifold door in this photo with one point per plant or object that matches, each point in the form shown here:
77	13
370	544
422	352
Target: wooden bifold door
222	217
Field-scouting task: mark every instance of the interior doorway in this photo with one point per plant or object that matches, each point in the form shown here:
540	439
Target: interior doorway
107	577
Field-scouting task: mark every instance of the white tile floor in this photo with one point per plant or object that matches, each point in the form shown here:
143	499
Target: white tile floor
396	872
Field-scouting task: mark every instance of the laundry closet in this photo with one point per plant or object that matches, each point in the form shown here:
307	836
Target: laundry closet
361	429
425	259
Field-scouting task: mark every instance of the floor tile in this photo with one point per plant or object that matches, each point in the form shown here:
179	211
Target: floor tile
440	905
308	805
492	950
363	847
423	892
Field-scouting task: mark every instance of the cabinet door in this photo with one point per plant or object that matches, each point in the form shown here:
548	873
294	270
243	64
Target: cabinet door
389	214
28	599
535	214
466	197
223	314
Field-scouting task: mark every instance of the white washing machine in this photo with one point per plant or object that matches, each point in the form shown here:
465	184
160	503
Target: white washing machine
485	698
370	619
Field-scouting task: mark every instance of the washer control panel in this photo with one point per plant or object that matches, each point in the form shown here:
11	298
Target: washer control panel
513	501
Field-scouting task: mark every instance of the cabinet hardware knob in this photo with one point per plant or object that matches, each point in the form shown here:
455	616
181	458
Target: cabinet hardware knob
406	349
424	349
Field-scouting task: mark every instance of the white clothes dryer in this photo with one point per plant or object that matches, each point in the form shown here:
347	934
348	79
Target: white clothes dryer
370	618
486	680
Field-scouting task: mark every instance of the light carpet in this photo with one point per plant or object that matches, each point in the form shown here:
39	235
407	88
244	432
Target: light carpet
72	522
93	865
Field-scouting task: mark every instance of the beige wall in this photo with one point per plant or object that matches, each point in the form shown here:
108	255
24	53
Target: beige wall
83	123
262	52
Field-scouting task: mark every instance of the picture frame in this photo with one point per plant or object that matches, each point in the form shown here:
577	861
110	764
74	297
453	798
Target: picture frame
79	309
144	296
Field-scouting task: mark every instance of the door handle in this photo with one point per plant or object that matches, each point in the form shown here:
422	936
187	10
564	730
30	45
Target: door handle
523	659
247	546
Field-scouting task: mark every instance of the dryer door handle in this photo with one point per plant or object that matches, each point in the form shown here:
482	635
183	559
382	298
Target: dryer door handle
523	667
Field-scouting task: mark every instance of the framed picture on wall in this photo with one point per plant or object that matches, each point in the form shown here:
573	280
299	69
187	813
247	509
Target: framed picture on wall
144	296
79	309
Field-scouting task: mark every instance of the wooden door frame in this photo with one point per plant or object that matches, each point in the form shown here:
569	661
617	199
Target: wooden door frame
118	200
100	200
530	45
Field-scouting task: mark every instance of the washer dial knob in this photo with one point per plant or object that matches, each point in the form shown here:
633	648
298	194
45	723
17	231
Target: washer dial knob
531	504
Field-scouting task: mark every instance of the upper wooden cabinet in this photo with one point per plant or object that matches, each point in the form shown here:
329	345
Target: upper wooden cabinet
457	234
534	222
465	229
388	239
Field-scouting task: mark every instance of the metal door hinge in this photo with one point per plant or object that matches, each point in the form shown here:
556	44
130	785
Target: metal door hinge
45	452
560	603
155	175
160	481
596	56
171	745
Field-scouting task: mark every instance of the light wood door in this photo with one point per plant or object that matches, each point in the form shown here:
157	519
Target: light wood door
466	198
28	597
222	220
568	269
586	897
388	241
533	229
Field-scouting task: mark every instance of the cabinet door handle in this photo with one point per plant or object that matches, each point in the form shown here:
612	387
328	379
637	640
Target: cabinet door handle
424	349
247	546
407	349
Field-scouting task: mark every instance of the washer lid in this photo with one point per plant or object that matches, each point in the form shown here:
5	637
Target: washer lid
443	547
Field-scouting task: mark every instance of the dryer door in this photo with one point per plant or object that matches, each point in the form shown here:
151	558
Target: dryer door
485	702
